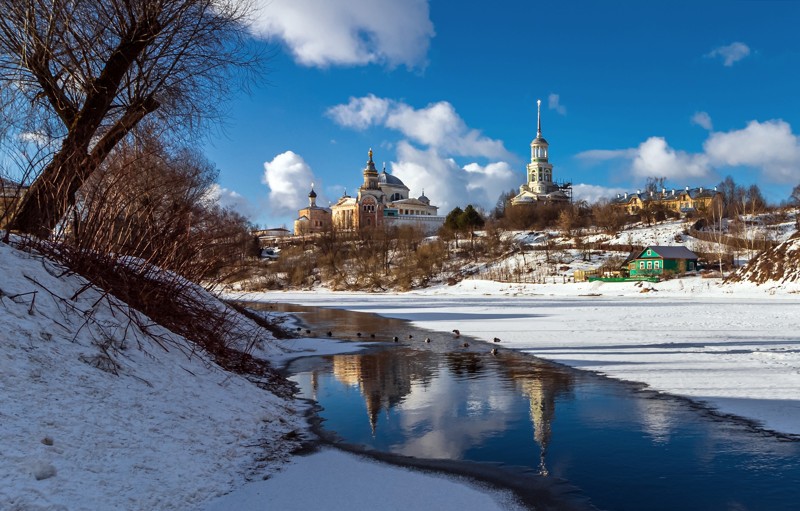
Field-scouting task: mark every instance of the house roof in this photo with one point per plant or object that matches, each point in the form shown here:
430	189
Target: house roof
670	252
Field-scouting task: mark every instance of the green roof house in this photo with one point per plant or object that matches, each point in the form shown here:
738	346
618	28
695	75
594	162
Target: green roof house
656	261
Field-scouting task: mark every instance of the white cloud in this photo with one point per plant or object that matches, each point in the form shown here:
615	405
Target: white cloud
593	193
361	113
38	138
703	120
654	158
289	179
554	103
323	33
731	53
229	199
437	125
446	183
770	146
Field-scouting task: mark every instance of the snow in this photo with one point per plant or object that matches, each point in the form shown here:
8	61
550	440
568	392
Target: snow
733	347
157	425
338	481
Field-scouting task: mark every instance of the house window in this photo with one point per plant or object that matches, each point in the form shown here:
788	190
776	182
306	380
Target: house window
656	265
649	252
649	265
641	265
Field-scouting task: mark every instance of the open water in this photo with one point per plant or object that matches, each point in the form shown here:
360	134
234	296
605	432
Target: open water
620	445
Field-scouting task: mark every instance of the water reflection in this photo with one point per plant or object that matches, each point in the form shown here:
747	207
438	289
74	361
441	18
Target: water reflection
542	385
383	378
441	401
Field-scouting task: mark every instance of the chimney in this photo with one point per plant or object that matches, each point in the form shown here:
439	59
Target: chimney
687	188
663	191
673	191
619	195
626	195
651	193
715	188
638	191
701	189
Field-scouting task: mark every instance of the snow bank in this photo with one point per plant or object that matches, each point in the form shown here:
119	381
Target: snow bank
338	481
168	430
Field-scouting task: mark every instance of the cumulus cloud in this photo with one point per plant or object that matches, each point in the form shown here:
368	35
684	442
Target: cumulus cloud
654	158
593	193
770	147
437	125
449	185
289	179
361	113
731	53
229	199
554	103
703	120
324	33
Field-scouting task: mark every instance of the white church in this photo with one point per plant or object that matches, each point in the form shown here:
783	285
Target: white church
540	186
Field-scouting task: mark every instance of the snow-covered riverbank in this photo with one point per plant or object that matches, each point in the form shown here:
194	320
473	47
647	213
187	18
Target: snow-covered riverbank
735	347
97	415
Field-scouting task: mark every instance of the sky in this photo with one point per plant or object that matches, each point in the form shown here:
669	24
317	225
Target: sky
445	95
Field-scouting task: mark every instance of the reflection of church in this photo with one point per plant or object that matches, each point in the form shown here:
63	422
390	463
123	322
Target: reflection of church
542	386
540	185
383	378
382	200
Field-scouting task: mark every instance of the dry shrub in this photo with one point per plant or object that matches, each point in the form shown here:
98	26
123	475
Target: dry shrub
144	230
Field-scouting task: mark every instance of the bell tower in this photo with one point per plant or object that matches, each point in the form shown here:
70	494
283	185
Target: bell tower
540	170
370	174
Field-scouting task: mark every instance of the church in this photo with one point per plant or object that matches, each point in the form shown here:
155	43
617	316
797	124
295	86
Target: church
312	218
540	185
383	200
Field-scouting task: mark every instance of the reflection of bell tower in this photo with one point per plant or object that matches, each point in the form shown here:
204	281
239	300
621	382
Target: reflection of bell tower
542	384
543	411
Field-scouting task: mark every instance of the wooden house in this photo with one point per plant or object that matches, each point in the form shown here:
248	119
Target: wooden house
654	261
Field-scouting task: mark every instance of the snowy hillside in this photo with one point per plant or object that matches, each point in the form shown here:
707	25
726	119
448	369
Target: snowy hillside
776	266
97	415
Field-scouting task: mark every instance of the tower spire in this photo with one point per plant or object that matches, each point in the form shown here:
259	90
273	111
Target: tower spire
538	118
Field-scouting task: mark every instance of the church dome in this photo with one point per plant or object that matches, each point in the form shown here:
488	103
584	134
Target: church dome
423	198
312	194
387	179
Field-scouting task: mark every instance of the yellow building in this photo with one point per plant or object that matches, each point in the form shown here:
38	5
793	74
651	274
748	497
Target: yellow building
313	218
383	199
686	201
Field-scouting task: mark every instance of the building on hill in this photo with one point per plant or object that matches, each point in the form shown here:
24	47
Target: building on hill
383	200
540	185
686	201
655	261
313	218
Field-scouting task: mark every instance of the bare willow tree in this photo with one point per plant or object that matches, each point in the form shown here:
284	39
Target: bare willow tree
81	74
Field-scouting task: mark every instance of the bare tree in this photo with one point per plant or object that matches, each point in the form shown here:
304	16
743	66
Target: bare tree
151	201
83	73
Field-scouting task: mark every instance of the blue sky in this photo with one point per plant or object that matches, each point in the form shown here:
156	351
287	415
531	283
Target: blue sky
445	93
